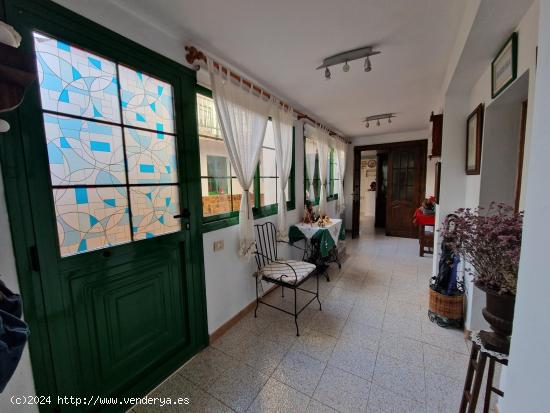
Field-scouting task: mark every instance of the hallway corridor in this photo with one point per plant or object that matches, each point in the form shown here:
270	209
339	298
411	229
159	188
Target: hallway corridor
372	348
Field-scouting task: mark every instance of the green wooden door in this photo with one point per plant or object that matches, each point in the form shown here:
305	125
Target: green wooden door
106	148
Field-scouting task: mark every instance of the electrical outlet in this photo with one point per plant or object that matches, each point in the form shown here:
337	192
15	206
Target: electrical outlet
218	245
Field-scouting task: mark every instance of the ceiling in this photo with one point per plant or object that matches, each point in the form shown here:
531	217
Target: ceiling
280	43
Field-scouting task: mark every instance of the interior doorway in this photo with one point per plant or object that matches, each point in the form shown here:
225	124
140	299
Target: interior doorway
389	183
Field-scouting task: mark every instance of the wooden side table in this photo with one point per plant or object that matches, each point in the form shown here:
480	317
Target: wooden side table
476	369
425	240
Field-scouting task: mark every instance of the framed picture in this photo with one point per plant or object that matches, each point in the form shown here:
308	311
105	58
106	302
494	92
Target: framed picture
474	131
504	68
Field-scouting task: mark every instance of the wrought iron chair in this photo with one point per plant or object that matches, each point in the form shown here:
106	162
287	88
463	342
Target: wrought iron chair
284	273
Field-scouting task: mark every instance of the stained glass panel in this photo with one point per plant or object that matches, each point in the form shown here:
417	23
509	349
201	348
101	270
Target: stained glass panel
153	210
76	82
151	157
91	218
83	152
146	102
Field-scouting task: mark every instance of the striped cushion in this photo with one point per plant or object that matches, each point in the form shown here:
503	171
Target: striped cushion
280	271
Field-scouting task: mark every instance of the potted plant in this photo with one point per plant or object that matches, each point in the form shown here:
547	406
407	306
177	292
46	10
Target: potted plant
490	241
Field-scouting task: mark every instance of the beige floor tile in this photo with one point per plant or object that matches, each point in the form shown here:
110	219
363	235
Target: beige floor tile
300	371
275	397
385	401
342	391
238	387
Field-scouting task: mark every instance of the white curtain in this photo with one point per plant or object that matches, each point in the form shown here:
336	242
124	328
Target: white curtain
341	152
310	150
322	141
282	126
242	115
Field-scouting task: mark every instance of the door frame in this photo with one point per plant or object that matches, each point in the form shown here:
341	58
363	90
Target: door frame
356	204
17	187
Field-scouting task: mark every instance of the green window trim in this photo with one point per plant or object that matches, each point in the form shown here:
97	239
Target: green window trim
220	221
331	179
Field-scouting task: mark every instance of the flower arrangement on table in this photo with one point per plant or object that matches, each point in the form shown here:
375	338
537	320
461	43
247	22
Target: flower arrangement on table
323	221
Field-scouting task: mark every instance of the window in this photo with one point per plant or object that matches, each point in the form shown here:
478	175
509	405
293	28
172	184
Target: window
111	146
267	169
217	166
312	184
221	191
312	181
333	175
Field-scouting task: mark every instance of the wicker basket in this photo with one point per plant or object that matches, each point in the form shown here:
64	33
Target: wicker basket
449	309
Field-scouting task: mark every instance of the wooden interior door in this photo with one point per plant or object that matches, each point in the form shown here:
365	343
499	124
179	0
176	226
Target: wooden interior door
406	187
356	200
381	190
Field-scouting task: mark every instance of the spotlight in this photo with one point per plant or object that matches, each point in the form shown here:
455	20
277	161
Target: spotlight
378	122
367	125
368	66
327	73
345	68
389	120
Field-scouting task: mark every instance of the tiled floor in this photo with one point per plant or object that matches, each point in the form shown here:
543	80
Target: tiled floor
371	349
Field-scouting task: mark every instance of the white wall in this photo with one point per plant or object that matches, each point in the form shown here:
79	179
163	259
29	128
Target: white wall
528	374
461	190
386	138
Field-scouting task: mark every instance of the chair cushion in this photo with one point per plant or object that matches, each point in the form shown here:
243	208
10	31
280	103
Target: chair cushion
280	271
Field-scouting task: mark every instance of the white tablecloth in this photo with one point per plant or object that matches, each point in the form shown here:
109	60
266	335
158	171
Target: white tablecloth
309	230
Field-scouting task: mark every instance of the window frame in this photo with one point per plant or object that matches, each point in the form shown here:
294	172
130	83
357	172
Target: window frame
317	181
220	221
331	195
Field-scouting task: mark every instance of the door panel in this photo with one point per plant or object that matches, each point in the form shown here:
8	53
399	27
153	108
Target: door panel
406	174
128	319
114	316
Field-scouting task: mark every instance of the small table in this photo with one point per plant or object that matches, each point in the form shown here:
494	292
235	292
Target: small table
478	359
425	240
321	242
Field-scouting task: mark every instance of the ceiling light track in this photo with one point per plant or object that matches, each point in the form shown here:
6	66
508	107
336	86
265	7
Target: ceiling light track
195	55
349	56
378	118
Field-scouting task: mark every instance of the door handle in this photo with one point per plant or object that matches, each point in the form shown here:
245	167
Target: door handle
186	215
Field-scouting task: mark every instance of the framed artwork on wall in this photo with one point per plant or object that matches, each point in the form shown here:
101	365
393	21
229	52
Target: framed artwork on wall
504	68
474	132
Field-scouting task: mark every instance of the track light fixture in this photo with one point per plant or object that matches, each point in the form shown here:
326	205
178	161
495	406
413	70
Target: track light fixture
368	65
349	56
379	117
345	68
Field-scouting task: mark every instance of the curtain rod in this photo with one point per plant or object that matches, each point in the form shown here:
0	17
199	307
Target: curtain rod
194	54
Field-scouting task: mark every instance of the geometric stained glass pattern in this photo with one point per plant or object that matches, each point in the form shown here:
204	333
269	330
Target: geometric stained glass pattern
153	210
83	152
146	102
91	218
151	157
94	163
76	82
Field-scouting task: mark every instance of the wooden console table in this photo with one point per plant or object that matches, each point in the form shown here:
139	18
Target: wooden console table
425	240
